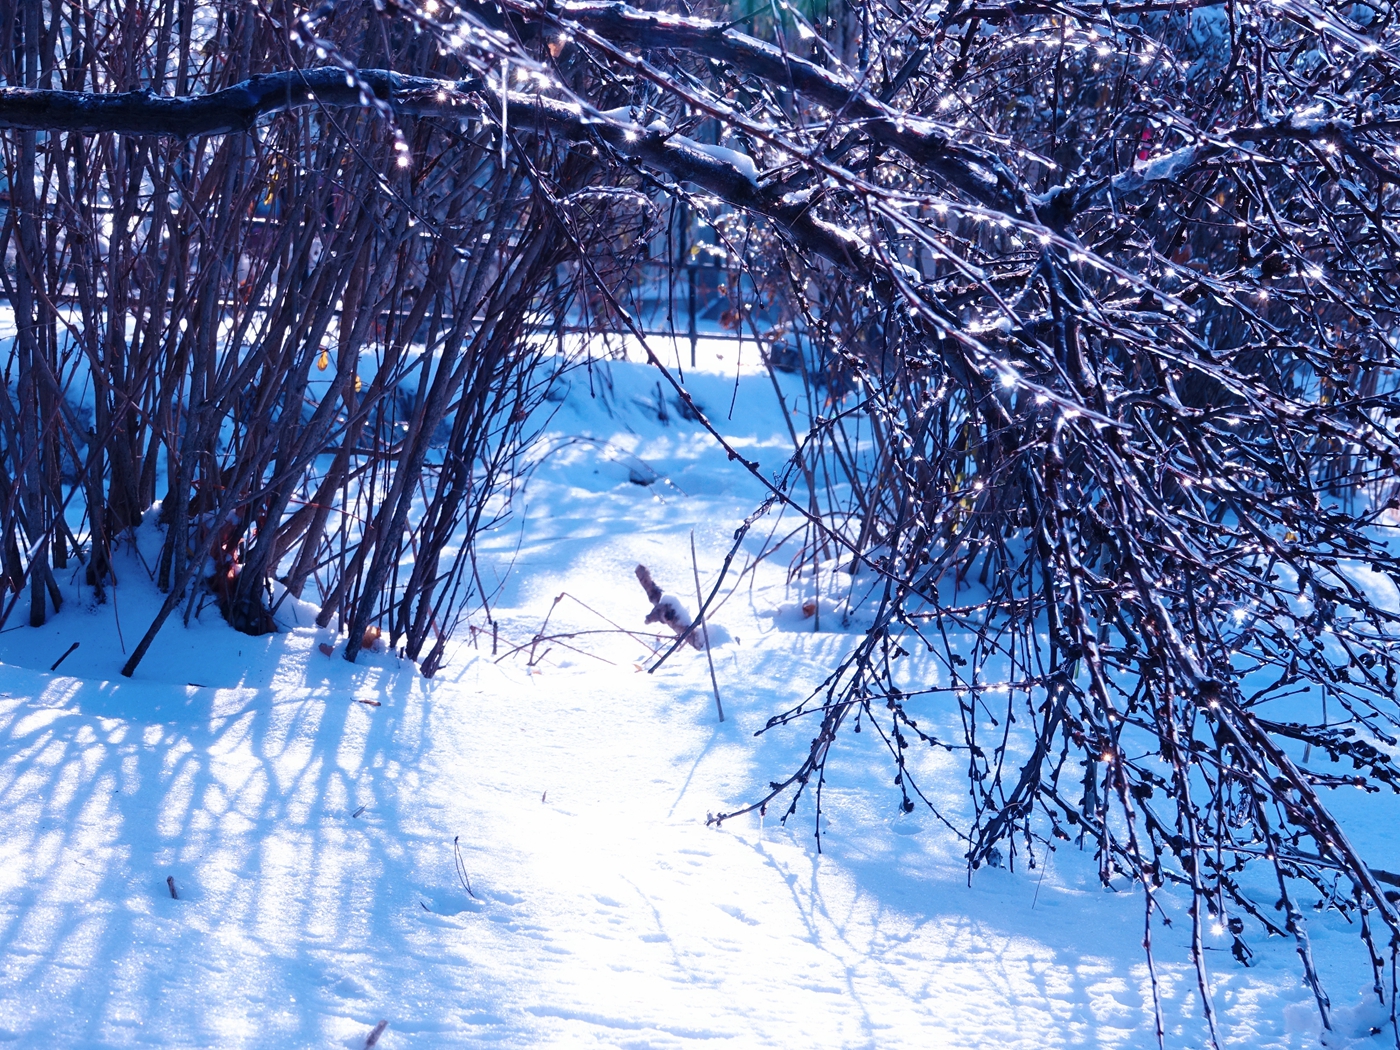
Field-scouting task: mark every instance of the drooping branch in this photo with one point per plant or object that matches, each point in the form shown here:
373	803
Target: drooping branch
724	173
235	108
978	174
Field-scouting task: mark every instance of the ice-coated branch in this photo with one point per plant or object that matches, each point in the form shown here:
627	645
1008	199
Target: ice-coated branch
235	108
726	174
974	172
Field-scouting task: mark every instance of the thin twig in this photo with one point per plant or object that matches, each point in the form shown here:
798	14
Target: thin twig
704	629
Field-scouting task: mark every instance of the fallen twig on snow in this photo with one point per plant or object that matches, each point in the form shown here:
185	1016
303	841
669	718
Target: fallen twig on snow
66	653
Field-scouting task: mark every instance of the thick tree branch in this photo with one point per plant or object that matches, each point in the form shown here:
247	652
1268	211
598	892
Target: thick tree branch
235	108
976	173
725	174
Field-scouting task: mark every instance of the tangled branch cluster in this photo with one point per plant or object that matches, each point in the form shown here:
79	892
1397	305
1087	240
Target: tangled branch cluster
1112	290
1102	298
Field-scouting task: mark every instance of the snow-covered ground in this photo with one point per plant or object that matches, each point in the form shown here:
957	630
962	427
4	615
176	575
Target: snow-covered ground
315	840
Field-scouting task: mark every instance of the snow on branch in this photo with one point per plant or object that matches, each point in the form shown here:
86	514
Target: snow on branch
923	140
723	172
235	108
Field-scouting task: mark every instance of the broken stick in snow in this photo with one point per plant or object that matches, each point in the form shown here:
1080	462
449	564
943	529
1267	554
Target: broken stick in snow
667	609
648	585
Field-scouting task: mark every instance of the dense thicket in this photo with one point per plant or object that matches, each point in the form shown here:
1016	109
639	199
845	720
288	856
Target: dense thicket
308	349
1101	300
